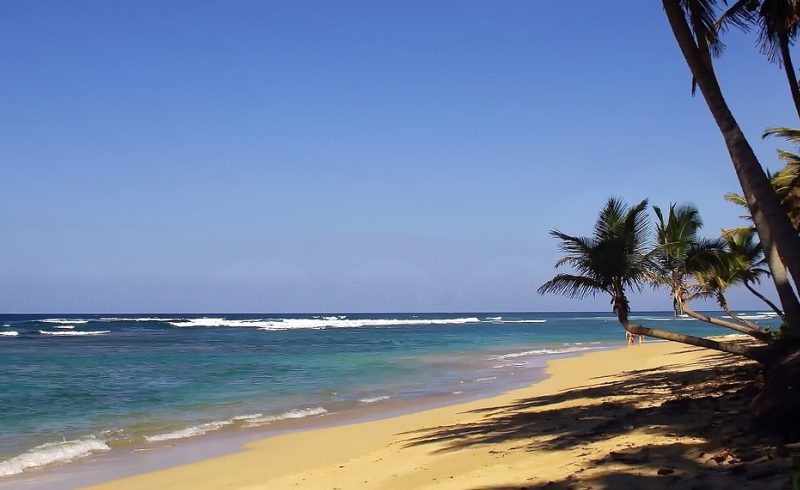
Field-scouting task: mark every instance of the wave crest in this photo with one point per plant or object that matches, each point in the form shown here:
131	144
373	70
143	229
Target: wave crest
51	453
74	333
319	323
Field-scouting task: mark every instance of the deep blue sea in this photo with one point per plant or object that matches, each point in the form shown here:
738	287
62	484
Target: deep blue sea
75	385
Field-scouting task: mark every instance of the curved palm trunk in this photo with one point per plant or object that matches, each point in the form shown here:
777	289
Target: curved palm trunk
723	303
788	67
791	306
622	309
763	298
770	218
726	324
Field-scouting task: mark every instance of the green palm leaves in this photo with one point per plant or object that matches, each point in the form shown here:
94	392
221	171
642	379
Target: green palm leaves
615	254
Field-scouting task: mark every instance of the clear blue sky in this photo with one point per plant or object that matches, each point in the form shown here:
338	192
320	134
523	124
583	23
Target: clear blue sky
343	156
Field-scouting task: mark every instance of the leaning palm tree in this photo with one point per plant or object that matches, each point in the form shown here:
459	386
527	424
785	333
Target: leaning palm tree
746	262
680	255
777	22
736	264
614	260
674	236
692	23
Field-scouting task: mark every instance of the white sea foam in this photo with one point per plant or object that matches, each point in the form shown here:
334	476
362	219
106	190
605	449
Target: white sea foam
64	327
291	414
9	333
318	323
511	364
754	317
250	416
520	321
671	318
141	319
374	399
487	378
6	325
51	453
196	430
494	318
62	320
540	352
75	333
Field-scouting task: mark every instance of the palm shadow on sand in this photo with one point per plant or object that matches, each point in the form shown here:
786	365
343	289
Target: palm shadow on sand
708	402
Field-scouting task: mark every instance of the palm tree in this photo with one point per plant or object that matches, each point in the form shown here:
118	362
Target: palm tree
692	23
745	261
673	238
737	264
680	255
777	22
786	184
786	181
615	260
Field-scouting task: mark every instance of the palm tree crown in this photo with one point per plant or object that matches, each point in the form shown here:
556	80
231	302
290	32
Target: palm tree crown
612	259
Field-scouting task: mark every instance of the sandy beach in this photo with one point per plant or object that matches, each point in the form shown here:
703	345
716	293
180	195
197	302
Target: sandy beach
645	416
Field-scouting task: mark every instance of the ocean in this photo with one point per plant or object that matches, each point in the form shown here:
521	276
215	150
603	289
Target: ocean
74	386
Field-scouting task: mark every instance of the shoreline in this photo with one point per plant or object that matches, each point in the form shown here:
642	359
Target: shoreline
137	458
421	449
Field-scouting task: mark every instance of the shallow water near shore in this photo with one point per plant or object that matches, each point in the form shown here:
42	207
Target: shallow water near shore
85	387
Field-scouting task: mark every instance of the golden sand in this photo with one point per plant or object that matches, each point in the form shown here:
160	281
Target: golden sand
588	422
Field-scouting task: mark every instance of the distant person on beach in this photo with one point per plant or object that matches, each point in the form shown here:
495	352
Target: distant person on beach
641	339
629	337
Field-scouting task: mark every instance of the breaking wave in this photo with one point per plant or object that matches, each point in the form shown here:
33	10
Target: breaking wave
540	352
319	323
291	414
52	452
62	320
74	333
196	430
374	399
9	333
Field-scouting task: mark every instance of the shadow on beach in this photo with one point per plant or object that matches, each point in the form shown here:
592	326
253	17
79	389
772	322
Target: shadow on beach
696	420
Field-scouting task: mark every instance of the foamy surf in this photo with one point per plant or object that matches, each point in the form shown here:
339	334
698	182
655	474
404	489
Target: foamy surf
196	430
759	316
374	399
291	414
510	364
53	452
9	333
62	320
138	319
319	323
519	321
64	327
540	352
74	333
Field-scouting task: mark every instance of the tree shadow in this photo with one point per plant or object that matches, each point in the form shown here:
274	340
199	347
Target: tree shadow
707	402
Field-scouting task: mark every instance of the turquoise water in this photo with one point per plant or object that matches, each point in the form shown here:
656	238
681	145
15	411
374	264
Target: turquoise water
74	385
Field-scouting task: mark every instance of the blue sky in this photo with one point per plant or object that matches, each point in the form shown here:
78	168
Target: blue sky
344	156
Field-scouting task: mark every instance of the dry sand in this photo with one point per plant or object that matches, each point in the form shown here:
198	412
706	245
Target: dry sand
656	415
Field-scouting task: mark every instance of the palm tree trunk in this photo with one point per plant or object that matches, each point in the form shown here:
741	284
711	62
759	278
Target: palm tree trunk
757	332
791	306
763	298
722	323
622	310
770	218
723	303
788	67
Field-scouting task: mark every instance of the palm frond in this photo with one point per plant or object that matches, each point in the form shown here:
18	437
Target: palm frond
573	286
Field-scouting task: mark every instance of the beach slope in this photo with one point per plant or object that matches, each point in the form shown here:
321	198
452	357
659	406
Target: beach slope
644	416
